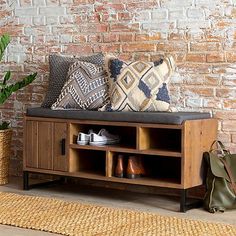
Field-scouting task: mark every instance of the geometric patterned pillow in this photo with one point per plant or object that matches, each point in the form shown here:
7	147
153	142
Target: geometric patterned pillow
140	86
58	67
86	88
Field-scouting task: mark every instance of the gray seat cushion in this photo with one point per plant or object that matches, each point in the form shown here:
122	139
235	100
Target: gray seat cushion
141	117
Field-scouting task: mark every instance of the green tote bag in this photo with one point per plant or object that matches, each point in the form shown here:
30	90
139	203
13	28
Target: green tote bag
221	179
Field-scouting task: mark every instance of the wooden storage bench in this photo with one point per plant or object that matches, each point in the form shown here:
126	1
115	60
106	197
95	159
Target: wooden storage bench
170	145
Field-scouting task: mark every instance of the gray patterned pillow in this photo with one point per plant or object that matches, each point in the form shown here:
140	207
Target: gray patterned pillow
58	66
86	88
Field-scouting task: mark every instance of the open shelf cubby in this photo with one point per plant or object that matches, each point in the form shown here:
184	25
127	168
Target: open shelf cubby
127	134
87	162
160	139
157	168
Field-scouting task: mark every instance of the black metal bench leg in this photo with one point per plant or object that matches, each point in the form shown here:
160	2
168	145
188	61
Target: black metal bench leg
25	180
183	198
187	204
27	186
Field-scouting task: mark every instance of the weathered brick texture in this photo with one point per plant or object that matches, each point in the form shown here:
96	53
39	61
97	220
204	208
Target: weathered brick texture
200	34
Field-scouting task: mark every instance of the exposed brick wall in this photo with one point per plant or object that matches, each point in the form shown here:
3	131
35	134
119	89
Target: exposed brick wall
200	34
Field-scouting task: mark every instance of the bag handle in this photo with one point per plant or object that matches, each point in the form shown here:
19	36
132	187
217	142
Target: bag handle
219	147
228	170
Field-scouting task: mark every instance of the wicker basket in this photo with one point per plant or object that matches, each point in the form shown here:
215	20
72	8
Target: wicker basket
5	152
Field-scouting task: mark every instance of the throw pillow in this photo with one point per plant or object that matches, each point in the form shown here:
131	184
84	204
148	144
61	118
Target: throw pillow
85	89
140	86
58	66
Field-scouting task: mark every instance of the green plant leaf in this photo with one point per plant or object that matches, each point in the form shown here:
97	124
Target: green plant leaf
4	125
6	77
4	41
5	89
8	90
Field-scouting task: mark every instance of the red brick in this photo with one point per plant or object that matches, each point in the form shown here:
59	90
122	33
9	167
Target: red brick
205	46
108	17
83	1
15	30
176	46
177	36
225	93
107	48
212	80
229	104
78	49
195	68
93	28
96	38
124	16
225	137
140	5
196	57
206	92
215	57
117	6
138	47
224	23
147	37
94	18
212	103
54	49
118	27
126	37
231	56
142	57
110	37
80	38
229	125
220	69
213	35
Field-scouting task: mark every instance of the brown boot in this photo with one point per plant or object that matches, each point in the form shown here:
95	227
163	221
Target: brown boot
133	168
119	170
142	168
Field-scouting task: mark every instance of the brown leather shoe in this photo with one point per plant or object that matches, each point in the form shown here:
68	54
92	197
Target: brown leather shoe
119	170
133	168
142	167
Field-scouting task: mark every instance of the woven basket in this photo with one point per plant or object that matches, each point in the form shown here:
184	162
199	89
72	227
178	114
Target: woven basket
5	152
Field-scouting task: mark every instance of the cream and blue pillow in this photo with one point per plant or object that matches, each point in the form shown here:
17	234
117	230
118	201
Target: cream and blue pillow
139	85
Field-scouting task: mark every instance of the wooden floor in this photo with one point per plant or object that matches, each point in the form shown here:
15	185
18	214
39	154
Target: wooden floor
165	205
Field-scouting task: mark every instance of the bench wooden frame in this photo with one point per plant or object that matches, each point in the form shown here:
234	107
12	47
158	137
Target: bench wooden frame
172	153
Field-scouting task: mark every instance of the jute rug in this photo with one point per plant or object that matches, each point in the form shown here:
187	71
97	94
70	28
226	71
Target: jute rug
73	218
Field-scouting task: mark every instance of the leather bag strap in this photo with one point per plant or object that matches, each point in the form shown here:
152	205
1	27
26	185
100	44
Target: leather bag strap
228	170
220	148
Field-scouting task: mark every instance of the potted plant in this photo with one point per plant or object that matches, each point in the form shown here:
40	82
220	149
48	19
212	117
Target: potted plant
6	90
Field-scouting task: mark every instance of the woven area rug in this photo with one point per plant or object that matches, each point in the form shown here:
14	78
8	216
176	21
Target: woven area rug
73	218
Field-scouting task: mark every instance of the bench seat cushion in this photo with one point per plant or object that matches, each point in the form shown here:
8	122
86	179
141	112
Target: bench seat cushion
140	117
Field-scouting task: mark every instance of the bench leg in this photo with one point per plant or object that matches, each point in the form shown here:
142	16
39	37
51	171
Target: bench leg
185	205
25	180
183	198
27	186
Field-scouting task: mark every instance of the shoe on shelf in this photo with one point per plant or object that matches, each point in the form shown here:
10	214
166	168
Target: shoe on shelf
103	138
134	170
143	170
83	138
119	170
